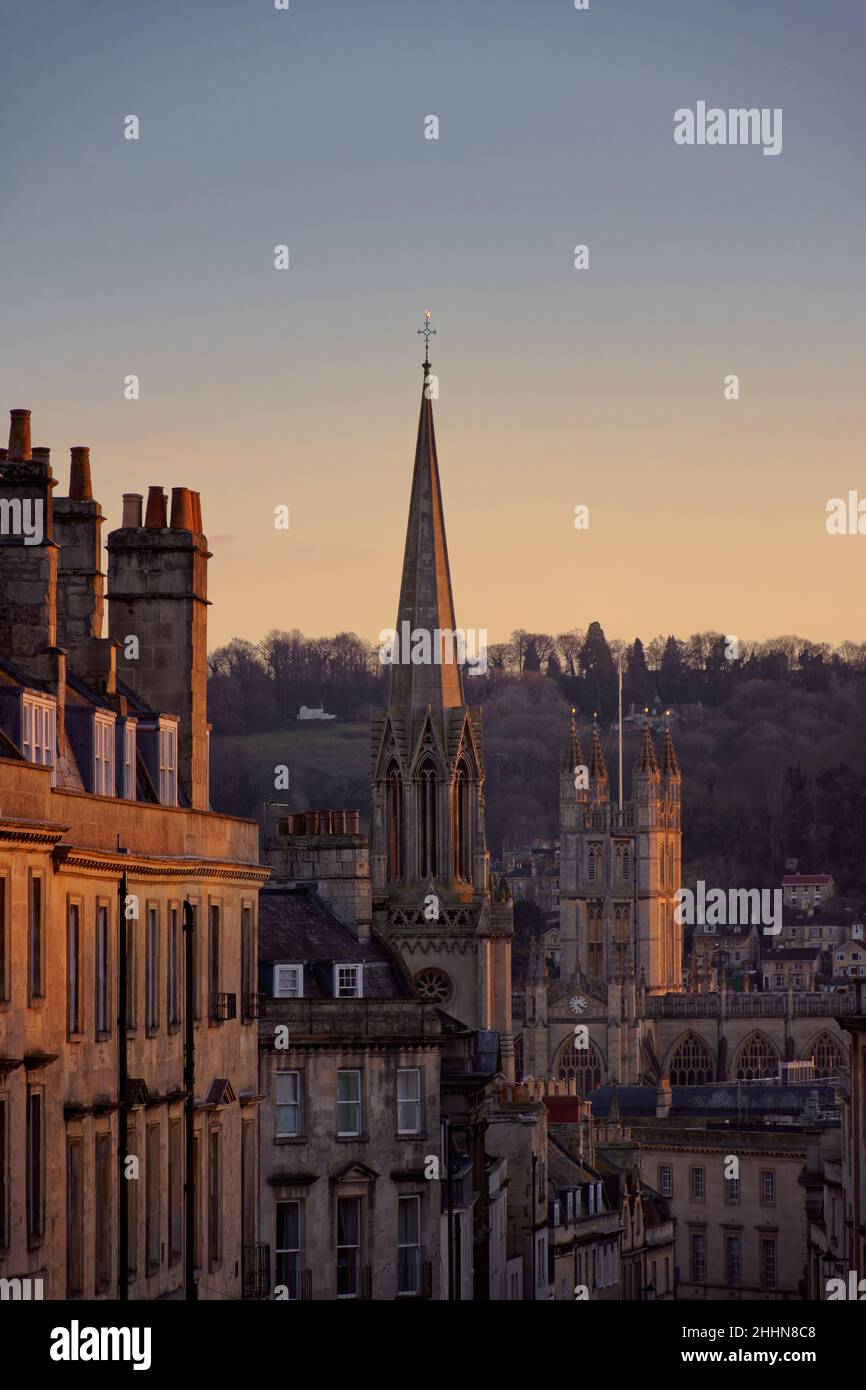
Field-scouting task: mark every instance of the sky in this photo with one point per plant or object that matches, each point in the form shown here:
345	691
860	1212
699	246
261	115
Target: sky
558	387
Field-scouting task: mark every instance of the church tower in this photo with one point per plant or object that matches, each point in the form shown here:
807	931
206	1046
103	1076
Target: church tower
432	892
620	868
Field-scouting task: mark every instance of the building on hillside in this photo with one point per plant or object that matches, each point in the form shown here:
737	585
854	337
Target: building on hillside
808	891
815	926
849	956
791	967
108	845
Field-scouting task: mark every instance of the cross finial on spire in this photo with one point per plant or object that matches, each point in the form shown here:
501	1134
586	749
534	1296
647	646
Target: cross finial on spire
427	333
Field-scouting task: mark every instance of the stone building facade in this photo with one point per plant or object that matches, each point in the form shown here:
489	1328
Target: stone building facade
350	1076
105	835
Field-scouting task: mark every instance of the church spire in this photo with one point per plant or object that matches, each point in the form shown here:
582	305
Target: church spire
426	602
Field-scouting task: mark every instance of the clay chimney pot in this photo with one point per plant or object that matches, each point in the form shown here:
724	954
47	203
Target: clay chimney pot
132	504
155	516
19	437
79	473
182	518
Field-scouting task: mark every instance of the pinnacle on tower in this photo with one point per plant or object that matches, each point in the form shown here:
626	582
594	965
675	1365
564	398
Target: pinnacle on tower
597	764
670	762
647	762
573	755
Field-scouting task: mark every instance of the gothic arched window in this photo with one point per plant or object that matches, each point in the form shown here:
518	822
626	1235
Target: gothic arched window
691	1064
594	863
828	1055
756	1059
395	824
460	826
621	935
582	1063
594	941
428	810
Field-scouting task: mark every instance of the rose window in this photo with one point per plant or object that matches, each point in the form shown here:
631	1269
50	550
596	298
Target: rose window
434	985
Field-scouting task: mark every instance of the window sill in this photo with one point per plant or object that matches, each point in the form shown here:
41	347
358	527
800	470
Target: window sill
352	1139
103	1037
291	1139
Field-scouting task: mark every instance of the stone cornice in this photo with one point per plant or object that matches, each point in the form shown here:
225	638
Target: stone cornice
22	834
96	863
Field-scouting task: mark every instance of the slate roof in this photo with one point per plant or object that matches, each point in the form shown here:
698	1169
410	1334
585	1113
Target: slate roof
768	953
715	1100
296	927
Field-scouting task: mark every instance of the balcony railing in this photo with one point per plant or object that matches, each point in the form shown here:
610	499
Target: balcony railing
414	1277
222	1007
252	1006
256	1264
295	1285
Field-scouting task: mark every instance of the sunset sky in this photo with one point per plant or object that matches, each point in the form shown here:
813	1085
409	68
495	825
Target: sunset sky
557	387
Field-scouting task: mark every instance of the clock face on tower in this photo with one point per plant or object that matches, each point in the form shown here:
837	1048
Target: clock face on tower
577	1004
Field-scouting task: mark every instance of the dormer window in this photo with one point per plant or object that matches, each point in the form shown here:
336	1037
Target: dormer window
103	755
39	732
129	757
168	762
347	982
288	982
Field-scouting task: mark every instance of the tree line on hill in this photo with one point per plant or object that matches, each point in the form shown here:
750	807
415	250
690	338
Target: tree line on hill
255	686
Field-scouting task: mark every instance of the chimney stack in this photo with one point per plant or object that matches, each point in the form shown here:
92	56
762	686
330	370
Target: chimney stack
80	580
19	450
28	555
157	590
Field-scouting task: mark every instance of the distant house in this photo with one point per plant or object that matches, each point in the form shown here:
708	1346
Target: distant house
305	713
807	890
849	957
794	966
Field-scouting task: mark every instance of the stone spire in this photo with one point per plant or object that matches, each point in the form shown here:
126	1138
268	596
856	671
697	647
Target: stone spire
426	602
647	762
597	764
573	755
670	762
